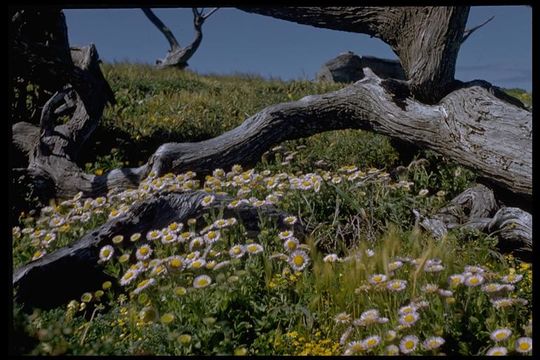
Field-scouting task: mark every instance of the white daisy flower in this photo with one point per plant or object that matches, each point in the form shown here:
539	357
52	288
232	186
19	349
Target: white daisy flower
176	262
237	251
512	278
433	342
202	281
524	345
106	253
143	285
497	351
342	318
143	252
409	319
456	279
371	342
430	288
391	350
285	234
368	317
128	277
354	347
395	265
168	238
408	344
376	279
500	334
290	220
298	260
212	236
220	223
474	280
254	248
446	293
396	285
153	235
196	243
175	227
291	244
207	200
197	264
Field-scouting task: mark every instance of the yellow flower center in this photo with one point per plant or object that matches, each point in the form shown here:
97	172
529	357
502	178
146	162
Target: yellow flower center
211	235
144	251
203	282
372	342
500	336
176	263
196	264
409	318
106	252
409	344
524	346
237	250
474	281
298	260
143	283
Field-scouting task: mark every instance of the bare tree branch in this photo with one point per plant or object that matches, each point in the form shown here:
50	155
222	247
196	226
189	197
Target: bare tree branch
177	56
208	14
468	32
161	27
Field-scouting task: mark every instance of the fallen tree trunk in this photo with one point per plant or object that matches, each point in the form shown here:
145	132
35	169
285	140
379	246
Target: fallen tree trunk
57	277
476	208
472	125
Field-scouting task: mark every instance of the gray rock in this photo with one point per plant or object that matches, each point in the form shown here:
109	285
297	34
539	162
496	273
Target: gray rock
347	67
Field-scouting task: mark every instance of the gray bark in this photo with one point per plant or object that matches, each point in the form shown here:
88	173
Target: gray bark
471	125
476	208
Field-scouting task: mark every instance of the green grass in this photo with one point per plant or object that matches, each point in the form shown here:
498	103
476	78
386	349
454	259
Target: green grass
259	304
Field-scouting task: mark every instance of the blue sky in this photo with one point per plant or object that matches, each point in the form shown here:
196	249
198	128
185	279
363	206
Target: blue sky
239	42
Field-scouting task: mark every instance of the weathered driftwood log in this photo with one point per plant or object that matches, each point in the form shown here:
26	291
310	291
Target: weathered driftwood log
66	273
472	125
476	208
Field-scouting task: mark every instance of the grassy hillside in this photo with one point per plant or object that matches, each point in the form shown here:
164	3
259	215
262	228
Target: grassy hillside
364	279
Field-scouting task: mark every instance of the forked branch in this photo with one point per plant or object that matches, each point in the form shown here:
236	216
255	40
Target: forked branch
178	56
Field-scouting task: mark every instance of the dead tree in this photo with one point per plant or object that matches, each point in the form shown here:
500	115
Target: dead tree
473	123
178	56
